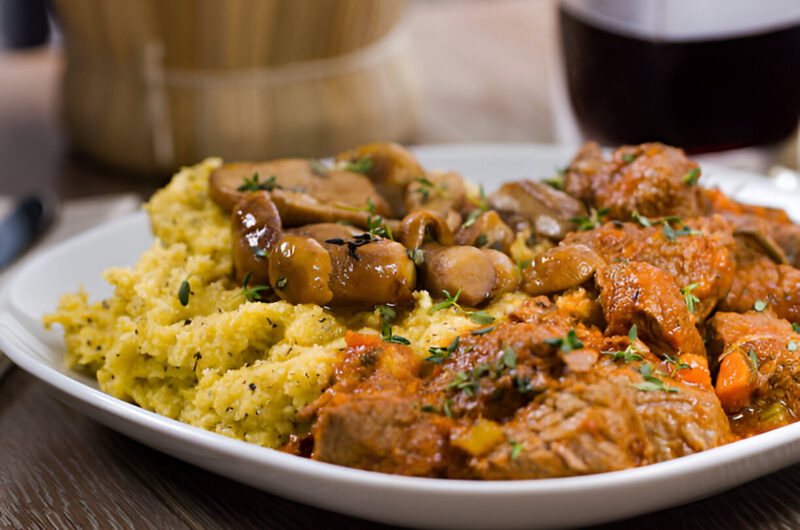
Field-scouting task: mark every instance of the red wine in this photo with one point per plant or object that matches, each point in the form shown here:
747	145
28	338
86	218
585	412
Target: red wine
701	92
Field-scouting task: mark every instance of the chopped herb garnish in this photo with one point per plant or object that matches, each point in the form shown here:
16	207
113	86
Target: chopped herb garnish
446	408
439	354
631	353
795	327
471	218
629	157
183	293
509	357
416	255
753	359
318	168
594	220
480	202
260	252
428	408
387	315
641	219
516	449
377	227
362	165
671	233
449	301
559	181
254	185
481	317
522	384
522	265
760	305
690	299
335	241
464	382
674	364
481	241
567	343
281	283
482	331
424	190
690	178
397	339
651	383
792	346
251	294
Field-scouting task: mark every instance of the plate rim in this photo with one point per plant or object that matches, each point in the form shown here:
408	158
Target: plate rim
282	462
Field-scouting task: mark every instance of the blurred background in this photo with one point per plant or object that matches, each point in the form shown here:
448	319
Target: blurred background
102	95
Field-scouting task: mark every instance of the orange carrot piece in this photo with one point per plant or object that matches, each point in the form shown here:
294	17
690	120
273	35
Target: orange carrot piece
734	382
355	339
697	373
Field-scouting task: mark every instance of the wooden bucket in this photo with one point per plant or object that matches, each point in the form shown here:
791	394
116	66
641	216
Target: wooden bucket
150	85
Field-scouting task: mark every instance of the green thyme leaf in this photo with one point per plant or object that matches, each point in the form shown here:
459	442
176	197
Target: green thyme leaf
689	298
481	317
690	178
760	305
567	343
509	357
362	165
183	293
254	185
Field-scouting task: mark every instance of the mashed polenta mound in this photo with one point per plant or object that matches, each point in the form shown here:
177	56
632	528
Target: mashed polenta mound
238	368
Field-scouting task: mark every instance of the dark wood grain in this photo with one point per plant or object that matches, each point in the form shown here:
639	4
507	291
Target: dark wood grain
59	469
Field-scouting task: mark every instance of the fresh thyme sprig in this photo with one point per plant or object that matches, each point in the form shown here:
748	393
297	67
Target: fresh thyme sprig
252	184
251	294
479	317
690	299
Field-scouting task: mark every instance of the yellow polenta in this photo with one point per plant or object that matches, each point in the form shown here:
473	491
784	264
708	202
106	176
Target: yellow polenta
238	368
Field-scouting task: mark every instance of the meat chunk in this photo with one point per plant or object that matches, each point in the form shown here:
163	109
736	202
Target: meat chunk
532	398
640	294
652	179
778	236
600	423
759	369
758	278
700	261
382	432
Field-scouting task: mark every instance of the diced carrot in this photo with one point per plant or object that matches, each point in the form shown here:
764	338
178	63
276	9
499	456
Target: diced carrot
697	373
734	382
355	339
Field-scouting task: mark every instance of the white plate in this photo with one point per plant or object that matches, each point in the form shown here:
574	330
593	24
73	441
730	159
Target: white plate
548	503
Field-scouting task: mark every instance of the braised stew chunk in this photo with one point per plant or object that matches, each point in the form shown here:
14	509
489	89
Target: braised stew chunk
647	317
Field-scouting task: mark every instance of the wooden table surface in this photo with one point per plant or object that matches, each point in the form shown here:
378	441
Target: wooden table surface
59	469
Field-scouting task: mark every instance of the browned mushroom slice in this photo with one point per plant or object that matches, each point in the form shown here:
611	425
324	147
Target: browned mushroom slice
419	226
325	231
229	183
378	272
299	270
529	204
560	268
255	228
439	192
390	166
299	209
349	189
459	267
486	230
338	188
